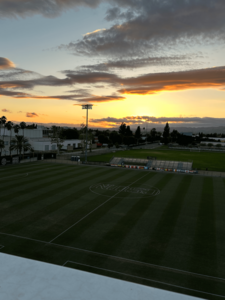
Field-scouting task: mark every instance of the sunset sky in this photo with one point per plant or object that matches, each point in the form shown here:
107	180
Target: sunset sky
138	61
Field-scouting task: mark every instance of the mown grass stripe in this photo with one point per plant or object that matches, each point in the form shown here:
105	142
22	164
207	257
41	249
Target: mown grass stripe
112	240
112	216
20	181
14	168
182	239
23	169
136	240
22	177
158	242
219	198
204	250
28	197
78	212
51	192
40	181
107	221
87	223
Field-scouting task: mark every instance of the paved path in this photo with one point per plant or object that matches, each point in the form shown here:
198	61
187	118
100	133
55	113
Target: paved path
211	173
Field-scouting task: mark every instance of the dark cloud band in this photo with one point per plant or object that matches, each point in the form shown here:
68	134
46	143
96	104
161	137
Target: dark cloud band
152	26
132	120
146	84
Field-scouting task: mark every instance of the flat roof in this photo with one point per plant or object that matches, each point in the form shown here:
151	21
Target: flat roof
27	279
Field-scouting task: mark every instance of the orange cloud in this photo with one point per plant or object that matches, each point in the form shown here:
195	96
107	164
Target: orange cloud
31	115
101	99
175	81
6	110
142	85
5	63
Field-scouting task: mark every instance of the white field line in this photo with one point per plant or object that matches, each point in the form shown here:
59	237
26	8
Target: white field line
152	280
24	238
65	263
96	209
116	257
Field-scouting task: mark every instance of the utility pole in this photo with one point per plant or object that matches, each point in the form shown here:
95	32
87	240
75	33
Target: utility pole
87	107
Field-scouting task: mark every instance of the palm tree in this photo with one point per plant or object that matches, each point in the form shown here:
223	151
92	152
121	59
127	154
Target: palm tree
27	146
16	128
2	146
3	120
20	143
23	126
9	126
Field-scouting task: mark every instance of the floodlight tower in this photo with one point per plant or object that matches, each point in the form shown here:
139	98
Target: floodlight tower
87	107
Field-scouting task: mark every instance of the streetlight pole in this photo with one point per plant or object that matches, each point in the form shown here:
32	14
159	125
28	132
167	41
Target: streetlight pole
87	107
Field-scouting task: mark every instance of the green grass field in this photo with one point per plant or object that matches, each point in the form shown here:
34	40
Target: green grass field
201	160
157	229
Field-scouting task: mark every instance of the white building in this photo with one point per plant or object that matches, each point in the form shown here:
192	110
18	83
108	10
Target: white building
36	139
28	133
43	144
71	144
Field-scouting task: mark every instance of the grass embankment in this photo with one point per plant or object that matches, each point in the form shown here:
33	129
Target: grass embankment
201	160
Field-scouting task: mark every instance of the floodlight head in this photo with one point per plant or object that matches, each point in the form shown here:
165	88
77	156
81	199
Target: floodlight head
87	106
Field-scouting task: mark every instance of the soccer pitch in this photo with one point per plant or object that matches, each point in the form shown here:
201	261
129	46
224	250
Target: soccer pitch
158	229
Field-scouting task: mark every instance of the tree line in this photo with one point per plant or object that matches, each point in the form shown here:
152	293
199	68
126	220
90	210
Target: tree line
123	136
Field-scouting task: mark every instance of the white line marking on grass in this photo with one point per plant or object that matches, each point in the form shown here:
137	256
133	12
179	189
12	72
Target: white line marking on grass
143	278
65	263
23	237
115	257
100	187
140	262
96	209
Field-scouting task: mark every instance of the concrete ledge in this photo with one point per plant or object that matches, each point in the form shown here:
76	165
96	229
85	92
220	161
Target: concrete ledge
26	279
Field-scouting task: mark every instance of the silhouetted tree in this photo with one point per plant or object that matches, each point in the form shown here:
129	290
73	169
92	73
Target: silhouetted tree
138	134
70	133
166	133
9	126
174	135
122	129
153	133
115	137
128	131
128	140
